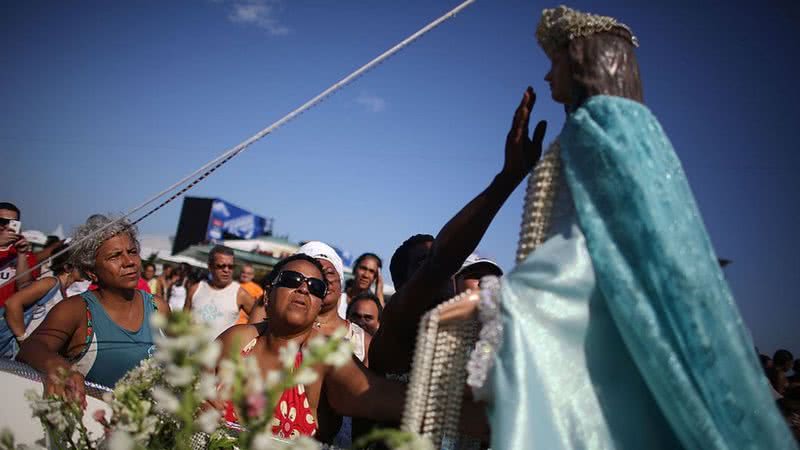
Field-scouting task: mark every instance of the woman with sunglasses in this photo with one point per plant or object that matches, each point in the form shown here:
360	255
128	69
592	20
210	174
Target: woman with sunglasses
294	293
97	335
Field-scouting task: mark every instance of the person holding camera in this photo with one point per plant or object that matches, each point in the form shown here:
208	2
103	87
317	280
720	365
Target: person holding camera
15	254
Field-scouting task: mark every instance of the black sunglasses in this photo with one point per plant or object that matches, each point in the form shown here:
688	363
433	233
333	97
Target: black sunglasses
293	280
4	222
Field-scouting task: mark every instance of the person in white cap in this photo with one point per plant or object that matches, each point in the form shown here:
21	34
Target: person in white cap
473	269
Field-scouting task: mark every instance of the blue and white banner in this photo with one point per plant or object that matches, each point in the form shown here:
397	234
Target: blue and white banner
232	220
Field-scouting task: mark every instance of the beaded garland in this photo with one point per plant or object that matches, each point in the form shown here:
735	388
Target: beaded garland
438	371
490	337
543	184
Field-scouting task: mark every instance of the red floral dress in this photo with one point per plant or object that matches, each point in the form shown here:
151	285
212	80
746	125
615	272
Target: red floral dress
292	416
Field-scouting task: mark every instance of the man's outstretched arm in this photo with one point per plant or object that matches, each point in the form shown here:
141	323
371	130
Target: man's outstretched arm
393	343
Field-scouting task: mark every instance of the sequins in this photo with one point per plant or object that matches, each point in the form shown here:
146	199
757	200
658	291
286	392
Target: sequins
560	25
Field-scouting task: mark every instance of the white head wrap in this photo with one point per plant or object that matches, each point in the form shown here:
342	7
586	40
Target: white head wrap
321	250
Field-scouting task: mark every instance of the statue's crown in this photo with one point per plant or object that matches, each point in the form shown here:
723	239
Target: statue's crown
560	25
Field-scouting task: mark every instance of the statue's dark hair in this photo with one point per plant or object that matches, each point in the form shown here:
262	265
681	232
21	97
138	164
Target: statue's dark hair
604	64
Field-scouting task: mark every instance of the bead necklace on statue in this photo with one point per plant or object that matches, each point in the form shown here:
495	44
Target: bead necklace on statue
543	185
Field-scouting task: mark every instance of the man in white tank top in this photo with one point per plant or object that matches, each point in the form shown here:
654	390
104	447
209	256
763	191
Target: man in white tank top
217	302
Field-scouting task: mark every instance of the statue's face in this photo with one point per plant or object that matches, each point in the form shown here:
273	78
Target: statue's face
560	77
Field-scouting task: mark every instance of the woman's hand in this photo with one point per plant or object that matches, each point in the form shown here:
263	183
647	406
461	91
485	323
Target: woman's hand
379	286
68	385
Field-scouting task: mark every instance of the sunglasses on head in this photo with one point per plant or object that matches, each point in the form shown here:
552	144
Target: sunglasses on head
293	280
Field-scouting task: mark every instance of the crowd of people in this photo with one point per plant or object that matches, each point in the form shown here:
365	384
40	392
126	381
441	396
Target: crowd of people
103	331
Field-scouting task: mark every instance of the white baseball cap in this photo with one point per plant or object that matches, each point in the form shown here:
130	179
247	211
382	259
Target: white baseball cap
474	261
321	250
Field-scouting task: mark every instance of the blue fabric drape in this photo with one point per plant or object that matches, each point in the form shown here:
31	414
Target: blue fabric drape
659	274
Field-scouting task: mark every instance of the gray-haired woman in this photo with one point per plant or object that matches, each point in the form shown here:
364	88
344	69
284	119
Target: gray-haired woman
98	335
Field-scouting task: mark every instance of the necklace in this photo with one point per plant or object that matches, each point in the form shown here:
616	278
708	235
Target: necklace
319	324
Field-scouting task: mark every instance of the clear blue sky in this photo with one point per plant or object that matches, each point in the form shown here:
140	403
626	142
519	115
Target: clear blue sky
104	103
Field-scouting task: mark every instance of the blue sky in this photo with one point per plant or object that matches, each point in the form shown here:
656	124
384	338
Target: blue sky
103	104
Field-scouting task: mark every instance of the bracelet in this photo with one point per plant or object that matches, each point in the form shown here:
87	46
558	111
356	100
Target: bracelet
20	338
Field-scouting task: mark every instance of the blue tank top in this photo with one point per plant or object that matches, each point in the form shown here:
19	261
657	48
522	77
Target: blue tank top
111	351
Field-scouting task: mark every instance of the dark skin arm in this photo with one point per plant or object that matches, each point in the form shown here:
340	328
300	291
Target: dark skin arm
162	305
23	278
187	305
379	287
392	345
352	390
245	301
45	253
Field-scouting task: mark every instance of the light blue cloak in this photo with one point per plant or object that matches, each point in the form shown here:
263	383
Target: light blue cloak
620	330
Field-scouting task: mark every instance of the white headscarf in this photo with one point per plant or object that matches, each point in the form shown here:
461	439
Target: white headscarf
321	250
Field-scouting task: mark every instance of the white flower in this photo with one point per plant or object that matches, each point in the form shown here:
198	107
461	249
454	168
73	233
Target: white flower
316	342
179	376
208	356
208	421
165	400
273	378
226	372
341	356
207	386
306	375
148	427
304	443
158	321
57	420
120	441
188	343
339	333
264	441
254	383
288	353
32	396
418	442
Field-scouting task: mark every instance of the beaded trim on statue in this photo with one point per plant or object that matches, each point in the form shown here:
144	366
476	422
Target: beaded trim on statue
438	371
560	25
540	194
481	359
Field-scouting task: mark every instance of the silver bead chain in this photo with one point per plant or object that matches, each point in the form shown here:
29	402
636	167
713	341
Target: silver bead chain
543	184
438	374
